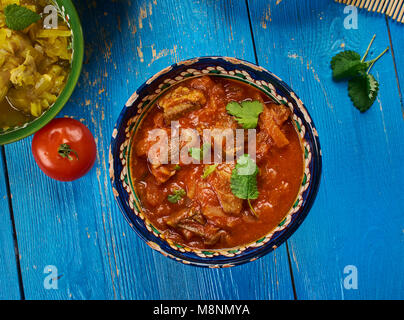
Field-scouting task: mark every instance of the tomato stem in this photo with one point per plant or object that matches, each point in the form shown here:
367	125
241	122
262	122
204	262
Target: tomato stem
65	151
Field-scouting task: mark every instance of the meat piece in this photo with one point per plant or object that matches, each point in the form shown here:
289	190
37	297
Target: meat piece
159	156
162	172
222	138
219	218
212	236
164	146
220	181
175	218
280	113
204	83
187	214
270	122
213	212
258	96
191	188
142	147
180	101
194	223
234	92
209	233
198	217
263	145
214	91
153	196
187	234
158	120
225	121
216	101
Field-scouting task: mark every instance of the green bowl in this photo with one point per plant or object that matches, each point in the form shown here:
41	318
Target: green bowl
72	18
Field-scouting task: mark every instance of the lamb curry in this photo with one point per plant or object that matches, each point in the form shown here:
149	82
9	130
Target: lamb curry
206	205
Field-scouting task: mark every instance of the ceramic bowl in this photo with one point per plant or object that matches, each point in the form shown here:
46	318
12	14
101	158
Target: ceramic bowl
66	8
135	110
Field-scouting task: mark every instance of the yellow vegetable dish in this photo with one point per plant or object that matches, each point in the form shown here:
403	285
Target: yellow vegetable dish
34	61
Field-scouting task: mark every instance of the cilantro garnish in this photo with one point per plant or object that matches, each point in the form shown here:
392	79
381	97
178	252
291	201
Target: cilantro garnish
176	196
19	18
209	170
362	86
243	181
200	153
246	113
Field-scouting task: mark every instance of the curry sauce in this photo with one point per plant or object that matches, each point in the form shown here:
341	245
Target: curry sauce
206	214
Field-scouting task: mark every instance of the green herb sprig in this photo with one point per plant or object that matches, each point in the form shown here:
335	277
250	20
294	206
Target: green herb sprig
246	113
243	181
19	18
209	170
200	153
176	196
362	86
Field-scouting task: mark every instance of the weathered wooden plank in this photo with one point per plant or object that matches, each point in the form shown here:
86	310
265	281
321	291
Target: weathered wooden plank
56	226
77	226
9	286
397	41
358	216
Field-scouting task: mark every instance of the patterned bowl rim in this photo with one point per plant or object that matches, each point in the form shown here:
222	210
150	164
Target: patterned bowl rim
122	184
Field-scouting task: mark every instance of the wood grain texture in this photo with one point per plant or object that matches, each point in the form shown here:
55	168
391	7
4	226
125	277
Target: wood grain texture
9	287
357	218
397	43
77	226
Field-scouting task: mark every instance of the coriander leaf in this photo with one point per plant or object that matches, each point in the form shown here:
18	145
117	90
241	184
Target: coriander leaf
200	153
176	196
347	64
177	167
209	170
245	165
246	113
363	91
195	153
19	18
243	181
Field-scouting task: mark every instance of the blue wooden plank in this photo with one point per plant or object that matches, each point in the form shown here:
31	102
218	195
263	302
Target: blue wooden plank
77	226
358	216
9	286
397	42
56	226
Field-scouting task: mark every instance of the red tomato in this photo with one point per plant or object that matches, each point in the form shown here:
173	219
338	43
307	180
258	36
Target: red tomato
64	149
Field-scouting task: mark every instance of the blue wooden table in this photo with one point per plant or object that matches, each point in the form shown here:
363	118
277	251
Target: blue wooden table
356	226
